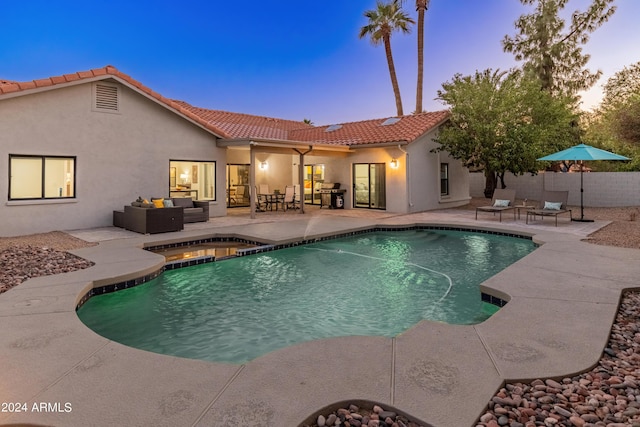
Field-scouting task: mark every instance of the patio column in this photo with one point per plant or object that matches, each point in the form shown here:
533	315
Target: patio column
252	181
301	175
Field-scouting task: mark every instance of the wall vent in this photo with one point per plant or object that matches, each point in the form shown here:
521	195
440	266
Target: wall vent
106	98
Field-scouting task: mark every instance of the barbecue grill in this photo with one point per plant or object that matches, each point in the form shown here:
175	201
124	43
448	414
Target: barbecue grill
331	195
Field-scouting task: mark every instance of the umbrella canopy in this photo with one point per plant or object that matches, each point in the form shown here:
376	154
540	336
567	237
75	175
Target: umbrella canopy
582	152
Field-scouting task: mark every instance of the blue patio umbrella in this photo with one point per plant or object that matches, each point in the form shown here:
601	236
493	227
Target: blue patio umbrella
580	153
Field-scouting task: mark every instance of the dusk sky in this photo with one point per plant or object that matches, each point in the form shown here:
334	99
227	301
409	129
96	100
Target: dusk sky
281	58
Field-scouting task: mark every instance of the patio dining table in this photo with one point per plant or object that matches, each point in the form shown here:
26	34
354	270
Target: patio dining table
273	199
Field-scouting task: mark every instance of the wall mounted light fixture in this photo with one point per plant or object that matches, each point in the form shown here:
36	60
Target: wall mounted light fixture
394	163
264	166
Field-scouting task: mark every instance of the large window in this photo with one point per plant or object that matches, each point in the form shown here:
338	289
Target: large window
192	179
41	177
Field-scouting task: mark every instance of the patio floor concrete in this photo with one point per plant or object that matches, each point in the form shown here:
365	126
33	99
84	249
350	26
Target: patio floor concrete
563	300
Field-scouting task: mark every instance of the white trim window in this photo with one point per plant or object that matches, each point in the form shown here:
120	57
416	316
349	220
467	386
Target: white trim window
41	177
444	179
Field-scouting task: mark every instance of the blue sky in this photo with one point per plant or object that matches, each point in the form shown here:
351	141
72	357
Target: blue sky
281	58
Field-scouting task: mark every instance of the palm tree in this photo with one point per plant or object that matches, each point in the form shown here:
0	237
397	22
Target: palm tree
383	21
421	7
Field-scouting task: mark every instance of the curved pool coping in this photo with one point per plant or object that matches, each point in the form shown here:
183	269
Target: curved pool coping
562	298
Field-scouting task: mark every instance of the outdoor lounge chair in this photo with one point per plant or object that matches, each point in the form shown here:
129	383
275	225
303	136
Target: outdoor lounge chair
552	203
503	200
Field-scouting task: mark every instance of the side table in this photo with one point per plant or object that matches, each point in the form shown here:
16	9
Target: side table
525	207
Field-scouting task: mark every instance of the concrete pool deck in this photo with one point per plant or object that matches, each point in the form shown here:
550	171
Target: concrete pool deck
563	299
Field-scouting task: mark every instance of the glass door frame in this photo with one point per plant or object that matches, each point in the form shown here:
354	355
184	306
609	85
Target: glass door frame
231	195
317	176
373	188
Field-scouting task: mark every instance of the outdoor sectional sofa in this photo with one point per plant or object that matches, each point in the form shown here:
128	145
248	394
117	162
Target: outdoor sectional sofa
194	211
146	218
152	220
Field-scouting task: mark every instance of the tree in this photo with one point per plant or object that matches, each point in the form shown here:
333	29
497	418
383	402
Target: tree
615	124
552	55
384	20
618	117
502	122
421	7
621	86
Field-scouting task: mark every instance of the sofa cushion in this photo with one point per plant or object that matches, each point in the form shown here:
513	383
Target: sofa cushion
167	203
193	211
185	202
158	203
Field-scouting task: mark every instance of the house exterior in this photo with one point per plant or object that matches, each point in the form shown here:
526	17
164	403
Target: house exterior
79	146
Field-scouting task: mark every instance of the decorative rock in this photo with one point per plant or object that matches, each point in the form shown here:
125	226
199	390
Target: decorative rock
577	421
321	421
487	417
554	384
560	410
387	414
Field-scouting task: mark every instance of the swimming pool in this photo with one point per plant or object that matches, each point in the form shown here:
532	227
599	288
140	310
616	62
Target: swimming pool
376	284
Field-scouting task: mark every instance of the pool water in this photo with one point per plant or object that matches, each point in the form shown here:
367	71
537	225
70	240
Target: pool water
375	284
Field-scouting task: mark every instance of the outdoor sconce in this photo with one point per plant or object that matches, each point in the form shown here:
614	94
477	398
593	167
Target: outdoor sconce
394	163
263	166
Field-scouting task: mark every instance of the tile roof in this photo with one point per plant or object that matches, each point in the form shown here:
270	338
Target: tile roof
7	87
240	125
368	132
245	126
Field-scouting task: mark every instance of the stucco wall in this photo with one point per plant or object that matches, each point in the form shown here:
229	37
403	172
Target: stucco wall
424	177
120	156
601	189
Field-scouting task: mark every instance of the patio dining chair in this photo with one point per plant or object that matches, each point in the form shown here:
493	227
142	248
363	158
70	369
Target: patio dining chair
289	200
502	200
261	201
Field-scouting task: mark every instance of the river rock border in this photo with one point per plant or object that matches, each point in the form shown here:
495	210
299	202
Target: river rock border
606	396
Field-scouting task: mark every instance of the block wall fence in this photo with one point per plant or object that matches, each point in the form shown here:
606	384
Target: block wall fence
601	189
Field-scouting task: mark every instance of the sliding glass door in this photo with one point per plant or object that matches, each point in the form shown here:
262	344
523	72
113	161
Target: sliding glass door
313	177
369	188
238	185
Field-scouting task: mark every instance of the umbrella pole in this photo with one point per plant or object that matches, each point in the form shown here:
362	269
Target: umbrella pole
582	198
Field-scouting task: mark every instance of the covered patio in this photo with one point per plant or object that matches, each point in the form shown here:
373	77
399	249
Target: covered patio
285	172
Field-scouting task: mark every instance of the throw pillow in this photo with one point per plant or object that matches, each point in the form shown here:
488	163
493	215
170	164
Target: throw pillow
168	203
553	206
158	203
501	203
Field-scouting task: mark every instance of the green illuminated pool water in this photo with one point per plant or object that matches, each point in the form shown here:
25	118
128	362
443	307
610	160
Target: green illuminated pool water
376	284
